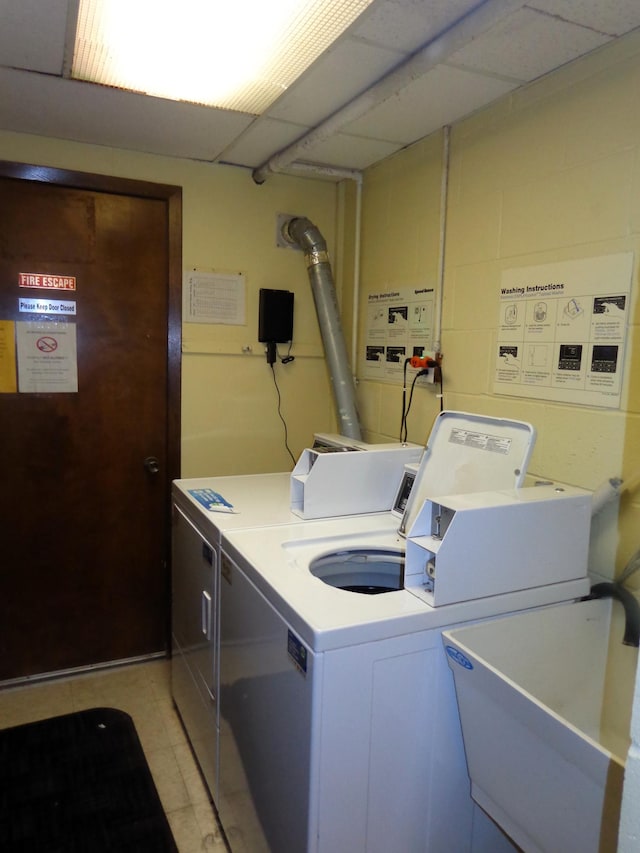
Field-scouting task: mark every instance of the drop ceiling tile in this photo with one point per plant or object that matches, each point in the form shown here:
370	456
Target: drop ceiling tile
340	75
613	17
32	34
407	25
83	112
257	144
438	98
350	152
525	45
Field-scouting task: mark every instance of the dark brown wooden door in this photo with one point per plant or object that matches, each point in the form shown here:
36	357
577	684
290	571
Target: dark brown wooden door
84	544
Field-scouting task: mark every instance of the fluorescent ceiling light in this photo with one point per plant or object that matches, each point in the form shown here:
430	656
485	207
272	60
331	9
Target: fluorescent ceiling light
233	54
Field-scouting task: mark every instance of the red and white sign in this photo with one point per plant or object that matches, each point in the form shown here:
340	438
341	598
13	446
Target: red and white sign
47	281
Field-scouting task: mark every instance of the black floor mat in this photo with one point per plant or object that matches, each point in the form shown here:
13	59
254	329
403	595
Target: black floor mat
79	783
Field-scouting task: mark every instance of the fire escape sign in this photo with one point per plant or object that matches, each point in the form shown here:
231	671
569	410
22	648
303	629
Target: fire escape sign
46	281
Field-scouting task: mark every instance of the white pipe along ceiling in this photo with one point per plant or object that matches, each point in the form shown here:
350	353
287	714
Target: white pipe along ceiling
472	25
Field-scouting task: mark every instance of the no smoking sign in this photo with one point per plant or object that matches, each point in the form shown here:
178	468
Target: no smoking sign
47	344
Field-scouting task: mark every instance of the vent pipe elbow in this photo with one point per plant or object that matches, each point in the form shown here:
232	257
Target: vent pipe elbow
303	233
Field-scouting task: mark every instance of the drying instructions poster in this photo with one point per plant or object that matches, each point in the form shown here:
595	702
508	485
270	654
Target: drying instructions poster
562	330
399	325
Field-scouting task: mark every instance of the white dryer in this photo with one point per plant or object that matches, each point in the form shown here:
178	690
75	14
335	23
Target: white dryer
199	513
202	508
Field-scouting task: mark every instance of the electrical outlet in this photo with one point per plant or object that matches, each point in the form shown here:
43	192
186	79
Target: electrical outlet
428	378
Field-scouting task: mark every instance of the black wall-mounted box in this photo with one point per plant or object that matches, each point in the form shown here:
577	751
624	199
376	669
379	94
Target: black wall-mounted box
275	322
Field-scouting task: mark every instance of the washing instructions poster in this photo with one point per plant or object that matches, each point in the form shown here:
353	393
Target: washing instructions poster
562	330
399	325
47	357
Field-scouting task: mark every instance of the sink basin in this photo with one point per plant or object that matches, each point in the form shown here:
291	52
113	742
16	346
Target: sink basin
545	701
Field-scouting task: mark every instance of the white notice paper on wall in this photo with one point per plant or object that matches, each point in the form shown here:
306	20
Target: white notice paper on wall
214	298
562	330
47	357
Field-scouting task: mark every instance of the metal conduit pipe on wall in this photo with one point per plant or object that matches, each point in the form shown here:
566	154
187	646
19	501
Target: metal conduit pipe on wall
306	235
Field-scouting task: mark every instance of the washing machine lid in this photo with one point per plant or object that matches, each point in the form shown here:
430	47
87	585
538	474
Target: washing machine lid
469	453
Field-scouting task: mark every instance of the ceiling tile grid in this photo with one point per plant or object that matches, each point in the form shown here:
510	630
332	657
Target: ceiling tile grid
339	111
527	44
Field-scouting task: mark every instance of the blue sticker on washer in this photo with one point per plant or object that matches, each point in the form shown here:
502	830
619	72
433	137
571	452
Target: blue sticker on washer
458	657
211	500
297	652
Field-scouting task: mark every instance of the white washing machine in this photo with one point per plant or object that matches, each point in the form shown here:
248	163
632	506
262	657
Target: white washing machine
343	733
339	730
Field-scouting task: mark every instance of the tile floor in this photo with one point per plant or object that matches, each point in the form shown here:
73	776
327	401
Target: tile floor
143	691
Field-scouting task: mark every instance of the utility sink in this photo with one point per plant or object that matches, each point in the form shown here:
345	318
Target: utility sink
545	701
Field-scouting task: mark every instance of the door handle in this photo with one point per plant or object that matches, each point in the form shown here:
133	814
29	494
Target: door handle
205	615
152	465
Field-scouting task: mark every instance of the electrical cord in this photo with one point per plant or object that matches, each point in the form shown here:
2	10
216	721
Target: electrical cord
437	374
403	418
406	414
284	423
288	358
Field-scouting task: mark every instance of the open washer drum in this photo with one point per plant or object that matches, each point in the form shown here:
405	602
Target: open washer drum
465	453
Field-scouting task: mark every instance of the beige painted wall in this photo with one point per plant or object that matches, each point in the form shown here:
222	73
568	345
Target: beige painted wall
230	422
548	174
400	248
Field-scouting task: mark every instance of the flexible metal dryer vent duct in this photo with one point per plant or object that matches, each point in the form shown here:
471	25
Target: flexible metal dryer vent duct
306	235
